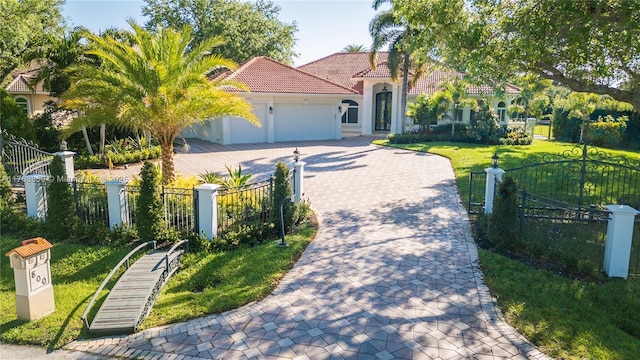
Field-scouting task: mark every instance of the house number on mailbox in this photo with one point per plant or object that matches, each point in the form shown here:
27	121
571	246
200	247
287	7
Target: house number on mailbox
39	277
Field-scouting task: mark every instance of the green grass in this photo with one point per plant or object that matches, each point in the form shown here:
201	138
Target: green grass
207	283
466	158
566	319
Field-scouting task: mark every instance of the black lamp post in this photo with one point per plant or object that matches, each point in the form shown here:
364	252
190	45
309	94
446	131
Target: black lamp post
296	155
494	160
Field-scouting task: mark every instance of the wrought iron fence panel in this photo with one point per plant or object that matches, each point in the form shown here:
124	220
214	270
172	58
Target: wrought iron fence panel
179	207
562	233
179	211
131	195
21	157
477	181
249	206
91	202
583	176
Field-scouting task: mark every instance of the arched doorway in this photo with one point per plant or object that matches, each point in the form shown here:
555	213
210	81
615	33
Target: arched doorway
383	110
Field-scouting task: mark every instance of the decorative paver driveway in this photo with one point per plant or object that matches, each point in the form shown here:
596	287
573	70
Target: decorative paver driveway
392	273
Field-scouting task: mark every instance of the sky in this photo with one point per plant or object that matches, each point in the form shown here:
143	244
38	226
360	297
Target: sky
324	27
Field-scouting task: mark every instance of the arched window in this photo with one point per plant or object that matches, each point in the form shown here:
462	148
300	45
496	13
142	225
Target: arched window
24	104
350	116
502	111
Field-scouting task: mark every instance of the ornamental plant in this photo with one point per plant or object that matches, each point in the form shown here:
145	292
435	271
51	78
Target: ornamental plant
150	221
61	221
281	190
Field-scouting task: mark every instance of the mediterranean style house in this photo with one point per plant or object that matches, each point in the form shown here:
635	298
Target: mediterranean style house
337	96
334	97
30	100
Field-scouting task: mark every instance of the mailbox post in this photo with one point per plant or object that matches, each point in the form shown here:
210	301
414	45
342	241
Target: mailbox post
32	273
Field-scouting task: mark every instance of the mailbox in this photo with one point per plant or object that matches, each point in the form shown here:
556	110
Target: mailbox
32	273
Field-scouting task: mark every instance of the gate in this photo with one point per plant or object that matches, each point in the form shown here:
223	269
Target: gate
21	157
583	176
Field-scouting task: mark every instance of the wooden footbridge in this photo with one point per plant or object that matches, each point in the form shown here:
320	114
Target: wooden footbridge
131	298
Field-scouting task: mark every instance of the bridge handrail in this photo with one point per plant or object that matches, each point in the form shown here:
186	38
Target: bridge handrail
104	283
175	246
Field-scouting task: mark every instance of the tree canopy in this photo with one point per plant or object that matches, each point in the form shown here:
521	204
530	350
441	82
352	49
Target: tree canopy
155	83
249	28
587	45
25	29
354	48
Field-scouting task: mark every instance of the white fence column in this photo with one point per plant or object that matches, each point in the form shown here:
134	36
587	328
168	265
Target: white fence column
67	161
207	209
117	203
493	175
298	180
35	189
617	251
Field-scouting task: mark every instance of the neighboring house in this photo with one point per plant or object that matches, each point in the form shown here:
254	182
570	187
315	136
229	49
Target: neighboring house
330	98
31	100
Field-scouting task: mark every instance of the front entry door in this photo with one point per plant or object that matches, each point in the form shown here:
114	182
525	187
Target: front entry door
383	111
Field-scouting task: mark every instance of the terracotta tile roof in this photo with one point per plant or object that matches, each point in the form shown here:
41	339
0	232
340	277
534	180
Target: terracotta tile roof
20	84
31	247
348	68
341	67
265	75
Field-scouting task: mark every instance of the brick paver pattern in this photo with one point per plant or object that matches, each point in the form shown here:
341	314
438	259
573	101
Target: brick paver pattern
392	274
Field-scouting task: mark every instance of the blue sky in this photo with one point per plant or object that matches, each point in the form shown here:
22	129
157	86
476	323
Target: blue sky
324	27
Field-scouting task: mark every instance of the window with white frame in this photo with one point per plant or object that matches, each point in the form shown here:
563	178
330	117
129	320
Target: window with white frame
23	103
502	111
351	115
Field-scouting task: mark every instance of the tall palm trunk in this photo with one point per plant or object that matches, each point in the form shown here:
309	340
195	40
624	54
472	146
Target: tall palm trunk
86	140
168	170
103	131
405	91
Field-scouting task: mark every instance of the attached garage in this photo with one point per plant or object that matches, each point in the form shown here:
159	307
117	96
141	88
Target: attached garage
305	122
244	132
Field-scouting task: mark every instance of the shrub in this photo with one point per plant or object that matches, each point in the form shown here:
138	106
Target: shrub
606	131
485	127
150	221
14	119
516	137
100	161
439	133
5	188
61	221
502	230
282	190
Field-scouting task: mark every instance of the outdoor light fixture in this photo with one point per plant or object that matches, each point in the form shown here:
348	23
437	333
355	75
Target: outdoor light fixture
63	145
340	109
270	109
494	161
296	155
384	88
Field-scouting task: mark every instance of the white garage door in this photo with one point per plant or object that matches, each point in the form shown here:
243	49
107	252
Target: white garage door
244	132
304	122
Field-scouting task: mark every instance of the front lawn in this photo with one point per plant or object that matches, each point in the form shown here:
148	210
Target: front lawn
207	283
565	318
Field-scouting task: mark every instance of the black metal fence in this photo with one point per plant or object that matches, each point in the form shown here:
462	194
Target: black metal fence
248	206
583	176
91	202
179	207
562	233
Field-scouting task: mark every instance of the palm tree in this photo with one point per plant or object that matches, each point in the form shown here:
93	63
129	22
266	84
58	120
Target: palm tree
354	48
386	29
457	96
156	82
